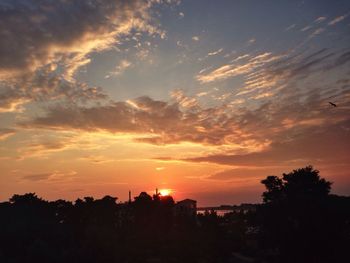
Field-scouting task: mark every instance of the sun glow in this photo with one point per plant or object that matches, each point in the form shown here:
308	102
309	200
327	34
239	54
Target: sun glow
164	192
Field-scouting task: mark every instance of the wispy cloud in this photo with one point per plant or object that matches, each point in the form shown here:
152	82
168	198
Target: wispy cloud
242	175
251	41
37	177
96	159
48	143
39	87
213	53
266	74
305	28
195	38
320	19
234	69
120	68
183	100
6	132
337	20
52	176
11	102
318	31
289	151
290	27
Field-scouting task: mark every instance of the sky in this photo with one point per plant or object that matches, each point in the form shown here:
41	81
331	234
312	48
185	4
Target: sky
205	98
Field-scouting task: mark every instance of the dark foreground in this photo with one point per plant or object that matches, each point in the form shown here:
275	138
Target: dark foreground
298	221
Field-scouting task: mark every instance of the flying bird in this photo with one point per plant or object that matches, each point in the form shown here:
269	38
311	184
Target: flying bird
332	104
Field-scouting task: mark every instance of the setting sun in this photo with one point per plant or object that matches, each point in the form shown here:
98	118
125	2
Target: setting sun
165	192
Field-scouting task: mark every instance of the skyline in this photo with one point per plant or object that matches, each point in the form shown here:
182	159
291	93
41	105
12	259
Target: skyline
205	99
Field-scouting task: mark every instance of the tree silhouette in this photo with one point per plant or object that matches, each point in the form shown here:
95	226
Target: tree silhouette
299	184
274	186
299	221
296	223
26	199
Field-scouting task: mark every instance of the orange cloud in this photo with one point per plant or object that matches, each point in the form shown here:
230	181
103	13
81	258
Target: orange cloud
6	132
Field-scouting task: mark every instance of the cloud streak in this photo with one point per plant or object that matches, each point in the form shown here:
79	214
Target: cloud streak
337	20
6	132
120	68
52	176
236	69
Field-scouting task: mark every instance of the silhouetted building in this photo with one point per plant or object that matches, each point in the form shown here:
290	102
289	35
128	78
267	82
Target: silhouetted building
186	207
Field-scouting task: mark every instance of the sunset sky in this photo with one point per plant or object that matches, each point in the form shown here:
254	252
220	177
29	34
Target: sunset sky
205	98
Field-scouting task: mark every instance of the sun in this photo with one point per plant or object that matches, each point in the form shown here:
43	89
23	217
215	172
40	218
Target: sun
164	192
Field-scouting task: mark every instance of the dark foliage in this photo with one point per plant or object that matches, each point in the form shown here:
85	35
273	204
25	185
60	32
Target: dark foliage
299	221
101	230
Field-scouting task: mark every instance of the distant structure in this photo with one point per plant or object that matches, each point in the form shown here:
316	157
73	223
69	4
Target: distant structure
186	207
224	209
129	197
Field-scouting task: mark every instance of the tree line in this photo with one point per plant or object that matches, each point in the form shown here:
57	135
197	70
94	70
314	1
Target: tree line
298	221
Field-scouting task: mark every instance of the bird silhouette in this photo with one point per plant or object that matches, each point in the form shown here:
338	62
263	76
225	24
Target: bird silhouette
332	104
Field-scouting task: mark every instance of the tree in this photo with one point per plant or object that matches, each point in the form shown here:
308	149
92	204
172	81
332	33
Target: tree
274	186
297	185
143	198
295	220
26	199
